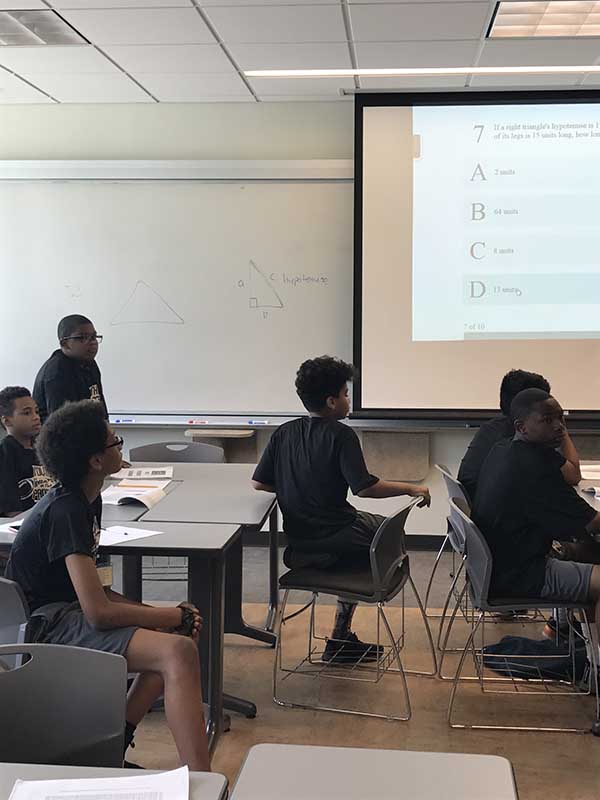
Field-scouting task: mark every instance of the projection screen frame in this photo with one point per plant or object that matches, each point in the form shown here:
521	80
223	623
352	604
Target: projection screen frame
588	420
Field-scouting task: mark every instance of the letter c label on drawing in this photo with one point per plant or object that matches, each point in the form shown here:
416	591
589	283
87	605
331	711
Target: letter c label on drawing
474	254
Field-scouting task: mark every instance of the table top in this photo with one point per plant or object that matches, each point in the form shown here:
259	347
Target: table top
178	538
294	772
203	785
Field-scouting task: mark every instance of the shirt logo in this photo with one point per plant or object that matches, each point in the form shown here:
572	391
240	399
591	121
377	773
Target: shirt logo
96	535
95	393
37	486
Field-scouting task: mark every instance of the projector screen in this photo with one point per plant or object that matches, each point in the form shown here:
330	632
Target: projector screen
477	233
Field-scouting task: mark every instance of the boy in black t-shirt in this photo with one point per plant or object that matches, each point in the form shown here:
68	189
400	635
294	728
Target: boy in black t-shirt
71	373
23	481
497	428
523	504
310	463
53	559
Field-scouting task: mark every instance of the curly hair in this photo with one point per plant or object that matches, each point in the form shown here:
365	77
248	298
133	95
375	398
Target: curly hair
514	382
320	378
69	438
8	397
526	402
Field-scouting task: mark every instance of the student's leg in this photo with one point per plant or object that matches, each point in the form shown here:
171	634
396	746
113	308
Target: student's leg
145	691
175	659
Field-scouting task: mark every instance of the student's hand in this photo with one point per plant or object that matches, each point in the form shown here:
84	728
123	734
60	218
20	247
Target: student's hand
423	493
125	464
194	633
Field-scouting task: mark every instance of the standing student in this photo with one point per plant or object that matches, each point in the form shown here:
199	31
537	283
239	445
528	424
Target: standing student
71	373
23	480
498	428
310	463
53	559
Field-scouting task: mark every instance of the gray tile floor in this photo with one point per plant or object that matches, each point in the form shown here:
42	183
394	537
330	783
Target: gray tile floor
172	585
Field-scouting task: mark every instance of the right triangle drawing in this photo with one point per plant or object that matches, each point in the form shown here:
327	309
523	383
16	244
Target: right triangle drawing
145	305
262	292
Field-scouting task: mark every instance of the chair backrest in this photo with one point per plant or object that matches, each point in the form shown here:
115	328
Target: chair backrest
179	452
453	486
479	556
388	548
14	612
64	705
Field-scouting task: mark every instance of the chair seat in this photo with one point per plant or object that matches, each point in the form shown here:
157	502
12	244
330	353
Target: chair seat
516	603
356	582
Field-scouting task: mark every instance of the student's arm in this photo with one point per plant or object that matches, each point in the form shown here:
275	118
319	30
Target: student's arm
57	392
263	487
10	503
263	479
594	525
396	489
104	613
570	469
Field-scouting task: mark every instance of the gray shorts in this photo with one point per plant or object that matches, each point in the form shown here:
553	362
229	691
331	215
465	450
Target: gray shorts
567	581
64	623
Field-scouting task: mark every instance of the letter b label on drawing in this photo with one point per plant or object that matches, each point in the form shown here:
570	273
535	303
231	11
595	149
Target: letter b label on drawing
477	289
477	212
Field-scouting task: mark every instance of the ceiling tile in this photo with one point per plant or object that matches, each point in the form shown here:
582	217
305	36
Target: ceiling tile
279	24
105	4
166	58
399	22
300	86
117	88
531	52
318	98
212	3
13	90
14	5
425	82
291	56
72	59
523	81
194	88
141	26
378	55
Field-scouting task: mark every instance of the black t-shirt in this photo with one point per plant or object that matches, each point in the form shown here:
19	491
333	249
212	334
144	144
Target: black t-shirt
23	481
61	524
491	432
522	504
62	379
311	462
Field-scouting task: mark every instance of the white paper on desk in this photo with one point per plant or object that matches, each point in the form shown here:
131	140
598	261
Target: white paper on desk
173	785
589	474
595	490
124	493
11	527
117	534
139	473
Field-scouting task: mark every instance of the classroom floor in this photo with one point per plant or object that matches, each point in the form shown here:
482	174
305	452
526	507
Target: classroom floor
547	765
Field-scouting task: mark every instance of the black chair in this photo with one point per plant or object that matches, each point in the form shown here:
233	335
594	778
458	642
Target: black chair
383	578
479	572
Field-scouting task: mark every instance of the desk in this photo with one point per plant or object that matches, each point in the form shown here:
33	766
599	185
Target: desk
273	771
203	785
206	548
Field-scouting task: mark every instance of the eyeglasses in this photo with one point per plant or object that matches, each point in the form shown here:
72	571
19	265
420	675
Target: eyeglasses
84	338
118	442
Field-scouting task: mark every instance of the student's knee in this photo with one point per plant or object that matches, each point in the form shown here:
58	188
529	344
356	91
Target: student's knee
182	653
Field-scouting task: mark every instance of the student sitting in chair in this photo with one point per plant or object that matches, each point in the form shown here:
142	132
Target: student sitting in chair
23	480
498	428
523	503
71	373
53	559
310	463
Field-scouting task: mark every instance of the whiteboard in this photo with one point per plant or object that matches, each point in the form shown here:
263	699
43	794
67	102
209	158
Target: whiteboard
209	294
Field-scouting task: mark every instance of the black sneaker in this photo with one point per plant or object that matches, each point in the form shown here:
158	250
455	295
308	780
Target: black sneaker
549	631
350	651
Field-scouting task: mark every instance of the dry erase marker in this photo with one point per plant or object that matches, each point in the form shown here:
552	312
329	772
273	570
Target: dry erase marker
117	421
258	422
197	422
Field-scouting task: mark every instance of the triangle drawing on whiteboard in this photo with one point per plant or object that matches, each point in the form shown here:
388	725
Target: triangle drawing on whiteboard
145	306
262	292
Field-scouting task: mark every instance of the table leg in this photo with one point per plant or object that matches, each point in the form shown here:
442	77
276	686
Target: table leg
132	577
273	569
234	621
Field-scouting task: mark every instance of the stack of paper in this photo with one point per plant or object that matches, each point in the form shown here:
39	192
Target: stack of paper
149	493
174	785
590	472
117	534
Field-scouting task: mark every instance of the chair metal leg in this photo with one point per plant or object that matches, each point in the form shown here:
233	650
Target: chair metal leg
457	675
394	645
278	631
436	564
457	575
444	647
429	636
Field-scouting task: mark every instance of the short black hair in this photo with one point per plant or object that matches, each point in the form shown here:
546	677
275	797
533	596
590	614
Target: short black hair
8	396
320	378
514	382
68	325
526	401
69	438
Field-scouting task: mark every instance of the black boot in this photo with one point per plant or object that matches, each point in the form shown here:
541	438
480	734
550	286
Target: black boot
128	742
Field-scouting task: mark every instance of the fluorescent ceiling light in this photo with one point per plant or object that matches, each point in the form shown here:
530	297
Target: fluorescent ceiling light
26	28
553	18
415	72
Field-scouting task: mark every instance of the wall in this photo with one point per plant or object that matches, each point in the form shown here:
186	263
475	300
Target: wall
209	131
